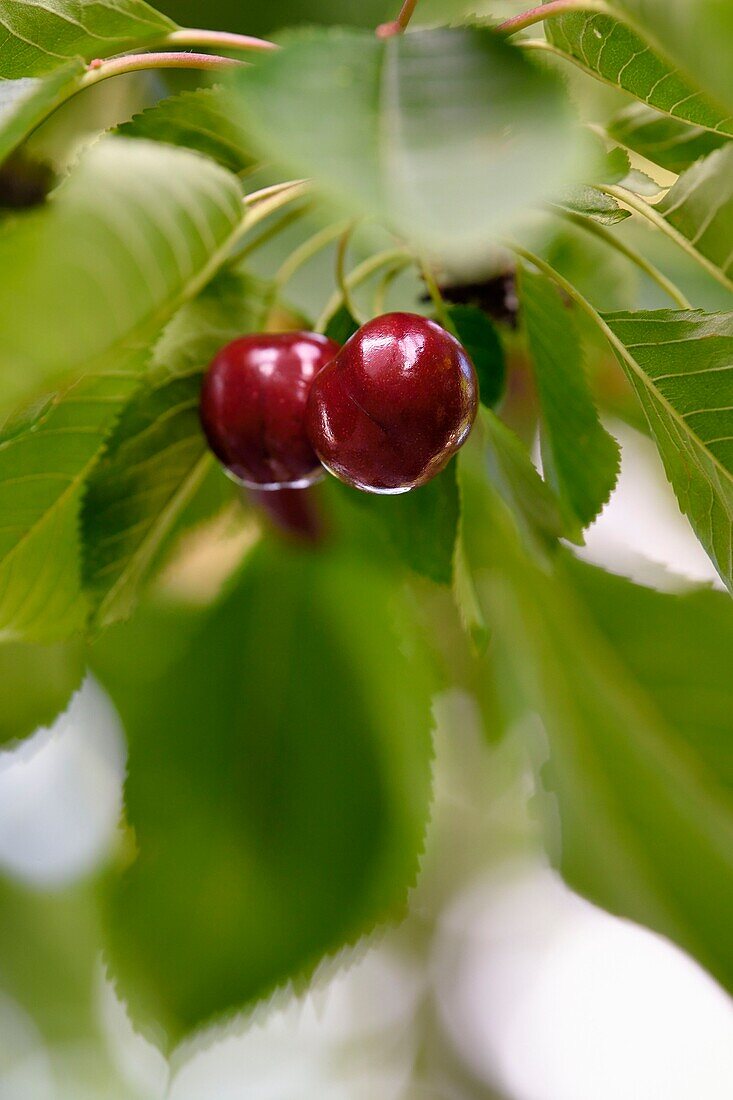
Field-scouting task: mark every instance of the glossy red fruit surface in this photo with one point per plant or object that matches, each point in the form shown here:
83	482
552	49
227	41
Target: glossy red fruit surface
393	406
253	404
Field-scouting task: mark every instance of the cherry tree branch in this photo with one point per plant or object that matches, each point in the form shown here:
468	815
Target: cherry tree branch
397	26
547	11
99	69
219	40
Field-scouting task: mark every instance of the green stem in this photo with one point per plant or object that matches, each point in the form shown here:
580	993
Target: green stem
390	257
436	297
380	294
271	231
628	198
218	40
306	251
630	253
132	63
549	11
341	280
260	204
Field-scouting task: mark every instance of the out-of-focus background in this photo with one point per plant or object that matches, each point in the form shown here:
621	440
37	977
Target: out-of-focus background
501	983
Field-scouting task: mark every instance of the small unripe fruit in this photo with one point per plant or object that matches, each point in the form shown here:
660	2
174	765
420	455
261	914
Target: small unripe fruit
394	405
253	404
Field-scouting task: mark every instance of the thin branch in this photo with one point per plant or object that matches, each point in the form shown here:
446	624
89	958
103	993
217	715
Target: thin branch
630	253
275	189
99	69
628	198
396	257
307	250
436	297
398	25
341	281
218	40
550	10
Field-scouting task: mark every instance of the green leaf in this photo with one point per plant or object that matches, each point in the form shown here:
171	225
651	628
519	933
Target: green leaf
700	208
479	337
36	684
580	458
42	475
420	526
638	819
278	783
205	120
696	37
445	135
665	141
509	467
613	51
678	647
41	37
26	102
342	326
679	363
157	457
591	203
134	231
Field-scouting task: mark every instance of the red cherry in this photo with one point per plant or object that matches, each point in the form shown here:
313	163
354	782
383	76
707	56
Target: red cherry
393	406
253	403
293	513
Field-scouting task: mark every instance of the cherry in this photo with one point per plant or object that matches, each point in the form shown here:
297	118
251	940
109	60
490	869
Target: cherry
293	513
253	404
391	408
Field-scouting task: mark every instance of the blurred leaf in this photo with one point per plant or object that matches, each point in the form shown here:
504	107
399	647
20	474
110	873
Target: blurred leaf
444	135
591	203
42	473
678	647
700	208
479	337
205	120
41	37
421	525
50	946
36	684
672	144
26	102
608	48
135	230
679	363
157	457
278	784
637	818
580	458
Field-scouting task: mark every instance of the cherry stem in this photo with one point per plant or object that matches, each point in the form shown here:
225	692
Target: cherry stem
438	301
398	25
341	281
219	40
547	11
116	66
391	257
306	251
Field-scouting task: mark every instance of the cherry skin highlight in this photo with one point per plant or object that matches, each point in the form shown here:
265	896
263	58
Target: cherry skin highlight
253	403
394	405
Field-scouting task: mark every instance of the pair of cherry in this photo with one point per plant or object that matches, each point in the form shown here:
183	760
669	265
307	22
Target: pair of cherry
384	413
